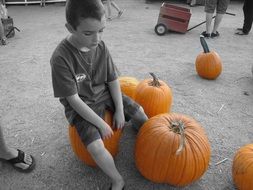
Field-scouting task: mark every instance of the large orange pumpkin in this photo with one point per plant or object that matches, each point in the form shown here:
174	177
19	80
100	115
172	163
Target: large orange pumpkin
128	85
80	150
208	64
172	148
154	95
242	169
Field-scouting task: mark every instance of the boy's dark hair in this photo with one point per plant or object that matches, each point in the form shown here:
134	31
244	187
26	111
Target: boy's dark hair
81	9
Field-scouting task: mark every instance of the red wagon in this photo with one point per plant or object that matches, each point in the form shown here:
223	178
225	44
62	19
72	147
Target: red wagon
172	18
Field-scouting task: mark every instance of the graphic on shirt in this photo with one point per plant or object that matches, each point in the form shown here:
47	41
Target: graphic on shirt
80	77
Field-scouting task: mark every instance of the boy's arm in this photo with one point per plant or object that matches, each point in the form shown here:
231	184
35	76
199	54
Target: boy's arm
115	91
88	114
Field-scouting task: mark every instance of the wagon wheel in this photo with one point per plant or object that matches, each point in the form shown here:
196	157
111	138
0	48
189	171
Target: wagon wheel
160	29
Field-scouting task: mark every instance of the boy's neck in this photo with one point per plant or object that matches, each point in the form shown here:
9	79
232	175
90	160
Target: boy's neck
75	43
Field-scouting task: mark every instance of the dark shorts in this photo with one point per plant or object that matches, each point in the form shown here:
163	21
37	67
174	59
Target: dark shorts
220	5
89	132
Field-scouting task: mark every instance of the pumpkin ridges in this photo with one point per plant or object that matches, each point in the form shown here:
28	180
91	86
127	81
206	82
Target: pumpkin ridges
205	158
242	169
187	136
155	171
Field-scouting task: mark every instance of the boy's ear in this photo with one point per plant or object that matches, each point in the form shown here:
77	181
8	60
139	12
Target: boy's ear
69	27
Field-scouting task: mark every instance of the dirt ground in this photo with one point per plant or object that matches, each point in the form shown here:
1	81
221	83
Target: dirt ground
33	119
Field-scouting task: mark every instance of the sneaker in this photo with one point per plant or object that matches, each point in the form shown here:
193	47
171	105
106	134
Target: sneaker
120	13
206	35
214	35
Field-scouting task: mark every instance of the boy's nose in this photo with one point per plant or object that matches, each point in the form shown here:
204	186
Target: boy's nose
96	37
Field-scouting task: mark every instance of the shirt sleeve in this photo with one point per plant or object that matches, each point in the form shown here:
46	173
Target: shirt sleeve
112	70
63	80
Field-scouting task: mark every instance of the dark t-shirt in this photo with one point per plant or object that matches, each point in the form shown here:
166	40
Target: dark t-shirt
84	73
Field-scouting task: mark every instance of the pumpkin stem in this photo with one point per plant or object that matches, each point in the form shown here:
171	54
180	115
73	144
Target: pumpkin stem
178	127
155	81
204	44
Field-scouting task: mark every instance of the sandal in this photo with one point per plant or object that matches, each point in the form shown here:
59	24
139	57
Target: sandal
206	35
214	35
20	159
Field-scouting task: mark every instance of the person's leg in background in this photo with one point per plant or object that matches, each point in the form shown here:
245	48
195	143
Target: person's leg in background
248	16
221	8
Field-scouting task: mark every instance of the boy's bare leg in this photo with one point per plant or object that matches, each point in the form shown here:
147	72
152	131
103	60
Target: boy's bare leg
9	153
105	161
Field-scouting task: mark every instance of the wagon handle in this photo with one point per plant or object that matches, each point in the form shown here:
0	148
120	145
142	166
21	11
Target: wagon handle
232	14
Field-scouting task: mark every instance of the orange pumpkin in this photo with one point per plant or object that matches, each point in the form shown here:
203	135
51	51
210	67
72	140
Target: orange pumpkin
242	169
154	95
128	85
80	149
172	148
208	64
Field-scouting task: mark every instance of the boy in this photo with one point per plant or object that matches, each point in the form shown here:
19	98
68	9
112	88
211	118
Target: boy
85	79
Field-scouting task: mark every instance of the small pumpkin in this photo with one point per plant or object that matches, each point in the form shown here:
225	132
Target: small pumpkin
154	95
128	85
242	169
208	64
80	150
172	148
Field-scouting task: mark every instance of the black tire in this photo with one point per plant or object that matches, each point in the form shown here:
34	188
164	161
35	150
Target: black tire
160	29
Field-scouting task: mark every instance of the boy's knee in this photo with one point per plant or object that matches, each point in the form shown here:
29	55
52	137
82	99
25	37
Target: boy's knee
96	147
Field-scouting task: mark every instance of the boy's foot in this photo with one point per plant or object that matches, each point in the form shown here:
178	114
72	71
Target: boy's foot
214	35
120	13
22	162
206	35
118	185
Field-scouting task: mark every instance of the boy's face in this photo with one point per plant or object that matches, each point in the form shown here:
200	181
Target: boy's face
88	32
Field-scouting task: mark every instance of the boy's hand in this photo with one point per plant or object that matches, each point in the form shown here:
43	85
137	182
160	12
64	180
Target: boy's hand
106	131
118	119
